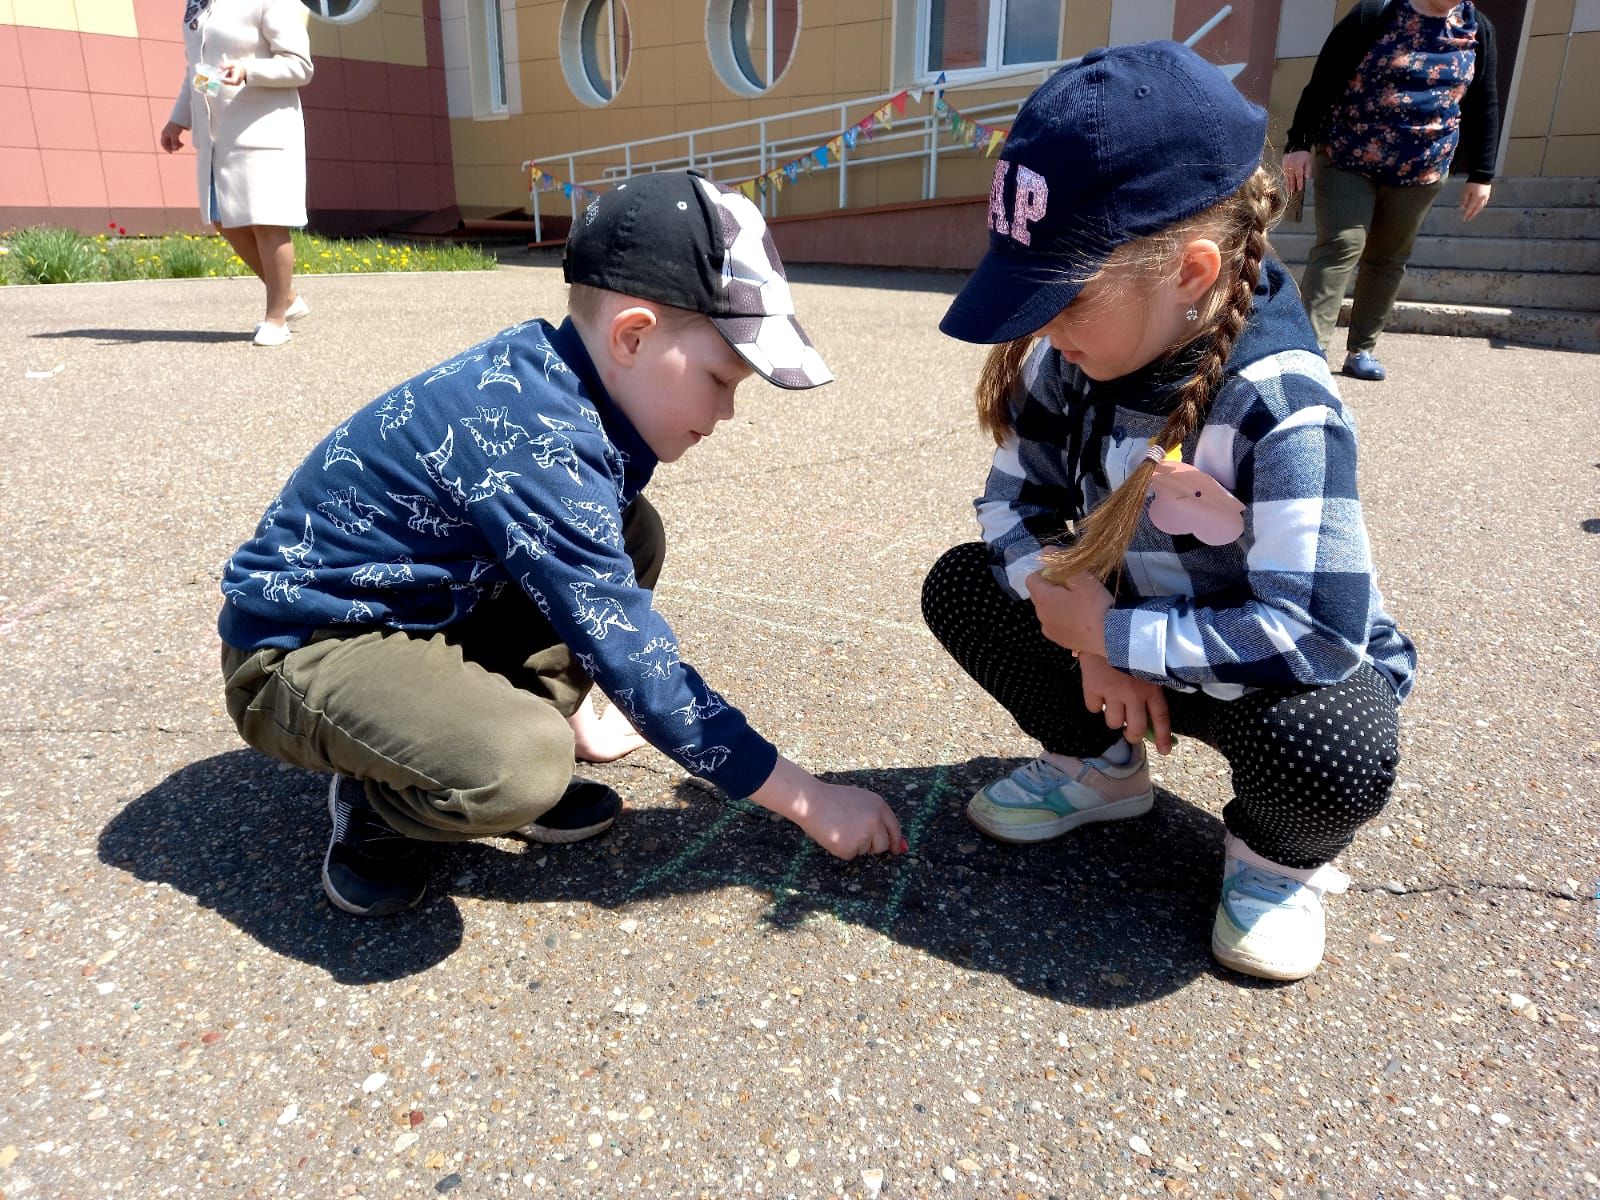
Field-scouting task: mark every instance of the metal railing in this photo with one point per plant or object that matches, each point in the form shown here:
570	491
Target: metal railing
913	136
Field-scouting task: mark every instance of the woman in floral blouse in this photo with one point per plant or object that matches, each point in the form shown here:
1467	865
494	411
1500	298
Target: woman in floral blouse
1403	92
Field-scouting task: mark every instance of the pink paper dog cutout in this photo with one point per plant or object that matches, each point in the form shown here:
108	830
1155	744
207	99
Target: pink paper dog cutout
1187	500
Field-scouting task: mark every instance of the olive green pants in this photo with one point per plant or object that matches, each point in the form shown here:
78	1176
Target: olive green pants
1366	227
457	734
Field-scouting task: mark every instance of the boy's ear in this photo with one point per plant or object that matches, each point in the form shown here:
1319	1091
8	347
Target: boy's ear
626	334
1199	266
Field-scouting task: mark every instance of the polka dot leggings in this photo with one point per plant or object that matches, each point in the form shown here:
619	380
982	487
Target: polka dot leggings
1310	765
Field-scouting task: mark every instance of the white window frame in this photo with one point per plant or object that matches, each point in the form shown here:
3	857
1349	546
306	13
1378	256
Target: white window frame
319	9
573	61
994	46
490	26
726	61
494	56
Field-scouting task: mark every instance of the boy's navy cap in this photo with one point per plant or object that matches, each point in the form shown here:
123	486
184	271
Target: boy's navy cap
1121	144
680	239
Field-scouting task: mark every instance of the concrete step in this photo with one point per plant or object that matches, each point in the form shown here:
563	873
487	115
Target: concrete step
1574	256
1533	191
1493	222
1528	326
1495	289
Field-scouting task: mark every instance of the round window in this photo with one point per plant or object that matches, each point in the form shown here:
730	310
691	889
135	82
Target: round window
340	10
596	47
752	42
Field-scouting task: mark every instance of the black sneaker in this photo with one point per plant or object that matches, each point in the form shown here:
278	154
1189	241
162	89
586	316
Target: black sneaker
586	808
369	870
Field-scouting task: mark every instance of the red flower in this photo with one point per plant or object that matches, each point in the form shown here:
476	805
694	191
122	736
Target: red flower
121	232
112	225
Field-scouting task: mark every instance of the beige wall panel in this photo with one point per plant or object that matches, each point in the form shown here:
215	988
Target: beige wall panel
1577	109
1085	24
900	182
410	8
1536	97
324	40
1551	16
471	143
538	32
968	175
1289	79
692	116
651	76
364	39
858	61
688	20
650	23
1573	156
812	72
1524	156
692	75
403	40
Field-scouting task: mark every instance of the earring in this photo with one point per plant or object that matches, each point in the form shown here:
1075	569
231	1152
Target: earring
1192	315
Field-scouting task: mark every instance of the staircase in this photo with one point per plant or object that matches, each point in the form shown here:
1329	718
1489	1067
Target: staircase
1526	269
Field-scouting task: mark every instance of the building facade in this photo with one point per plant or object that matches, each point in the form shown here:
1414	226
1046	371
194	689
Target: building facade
423	111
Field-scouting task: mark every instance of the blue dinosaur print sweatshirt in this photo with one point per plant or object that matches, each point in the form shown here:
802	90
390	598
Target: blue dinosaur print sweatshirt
508	464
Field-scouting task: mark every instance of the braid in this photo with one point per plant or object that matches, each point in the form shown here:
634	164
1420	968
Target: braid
1103	537
996	382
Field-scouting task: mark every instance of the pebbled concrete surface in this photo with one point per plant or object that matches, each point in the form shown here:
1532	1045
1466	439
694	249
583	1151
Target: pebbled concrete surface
701	1004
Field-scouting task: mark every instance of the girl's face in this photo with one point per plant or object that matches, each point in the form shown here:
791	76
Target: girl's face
1117	324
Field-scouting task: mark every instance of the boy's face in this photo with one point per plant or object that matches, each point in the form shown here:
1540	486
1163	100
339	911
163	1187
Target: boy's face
680	385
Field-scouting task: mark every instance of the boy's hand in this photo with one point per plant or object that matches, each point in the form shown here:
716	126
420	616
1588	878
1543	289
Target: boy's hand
844	821
1131	705
1072	614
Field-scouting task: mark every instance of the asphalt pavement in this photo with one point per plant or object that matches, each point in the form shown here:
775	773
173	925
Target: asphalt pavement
701	1003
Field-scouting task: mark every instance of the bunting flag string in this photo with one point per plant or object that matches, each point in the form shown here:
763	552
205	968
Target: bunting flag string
540	180
973	134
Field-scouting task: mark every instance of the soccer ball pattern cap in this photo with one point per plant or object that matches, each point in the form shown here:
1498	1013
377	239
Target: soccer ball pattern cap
678	238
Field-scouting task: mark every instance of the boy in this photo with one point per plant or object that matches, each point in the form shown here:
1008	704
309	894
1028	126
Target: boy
430	597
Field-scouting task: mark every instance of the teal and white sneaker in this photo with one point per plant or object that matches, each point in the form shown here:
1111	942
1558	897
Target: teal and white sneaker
1039	800
1270	922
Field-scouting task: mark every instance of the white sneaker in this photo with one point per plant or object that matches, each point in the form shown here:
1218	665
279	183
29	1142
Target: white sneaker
269	333
298	309
1270	922
1039	801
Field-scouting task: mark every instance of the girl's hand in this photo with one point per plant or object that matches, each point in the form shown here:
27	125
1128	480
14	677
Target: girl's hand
1072	614
845	821
233	74
1473	199
1131	705
172	137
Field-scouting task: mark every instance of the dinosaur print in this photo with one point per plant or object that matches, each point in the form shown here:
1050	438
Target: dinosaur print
624	701
495	435
552	361
492	484
536	595
598	614
657	658
500	371
434	463
454	367
338	452
395	410
696	711
426	515
586	661
347	514
377	575
359	613
555	449
702	762
283	587
555	423
594	520
298	554
529	538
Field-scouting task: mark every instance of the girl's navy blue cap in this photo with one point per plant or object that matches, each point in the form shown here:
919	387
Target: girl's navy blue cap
1123	143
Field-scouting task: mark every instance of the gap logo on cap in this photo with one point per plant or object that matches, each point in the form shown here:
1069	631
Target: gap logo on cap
1030	199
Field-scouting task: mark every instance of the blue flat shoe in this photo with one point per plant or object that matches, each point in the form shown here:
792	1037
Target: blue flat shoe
1361	365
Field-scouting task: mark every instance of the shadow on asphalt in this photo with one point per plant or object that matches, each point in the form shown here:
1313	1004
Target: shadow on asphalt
1115	916
128	337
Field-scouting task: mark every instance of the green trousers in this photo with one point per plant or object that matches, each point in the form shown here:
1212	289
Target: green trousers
457	734
1367	227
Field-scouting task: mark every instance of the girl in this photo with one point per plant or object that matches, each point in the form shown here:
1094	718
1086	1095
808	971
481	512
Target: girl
1128	234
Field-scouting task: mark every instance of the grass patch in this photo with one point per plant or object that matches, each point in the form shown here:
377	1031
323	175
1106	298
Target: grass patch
43	254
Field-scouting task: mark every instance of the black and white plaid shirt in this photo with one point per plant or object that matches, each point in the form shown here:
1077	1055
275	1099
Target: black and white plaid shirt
1294	601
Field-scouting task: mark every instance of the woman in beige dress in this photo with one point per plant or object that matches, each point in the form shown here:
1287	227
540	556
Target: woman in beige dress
250	136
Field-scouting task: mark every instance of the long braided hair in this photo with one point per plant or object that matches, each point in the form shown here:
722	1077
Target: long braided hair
1239	225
